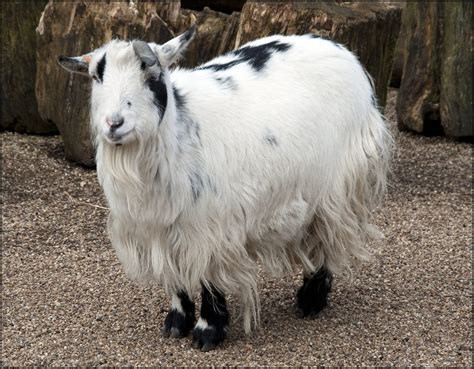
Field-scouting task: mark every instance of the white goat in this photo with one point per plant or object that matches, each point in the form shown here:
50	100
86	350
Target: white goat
272	153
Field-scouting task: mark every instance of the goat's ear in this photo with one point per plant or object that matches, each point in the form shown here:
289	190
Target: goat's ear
76	64
169	52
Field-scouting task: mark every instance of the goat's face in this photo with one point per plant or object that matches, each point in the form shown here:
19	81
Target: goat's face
129	86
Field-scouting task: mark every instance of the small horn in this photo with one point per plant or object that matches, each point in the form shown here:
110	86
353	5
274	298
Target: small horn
144	52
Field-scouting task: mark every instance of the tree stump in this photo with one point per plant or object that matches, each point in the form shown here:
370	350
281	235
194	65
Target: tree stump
400	52
435	96
456	70
19	107
370	30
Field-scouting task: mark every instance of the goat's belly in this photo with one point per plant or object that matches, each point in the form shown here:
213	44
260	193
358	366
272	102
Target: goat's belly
273	240
287	222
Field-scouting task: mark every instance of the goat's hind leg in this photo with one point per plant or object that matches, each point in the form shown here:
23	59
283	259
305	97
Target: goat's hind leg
213	323
181	317
312	297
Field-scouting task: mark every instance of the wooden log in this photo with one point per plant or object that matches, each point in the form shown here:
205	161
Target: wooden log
456	70
368	29
435	96
400	52
418	98
216	33
19	108
224	6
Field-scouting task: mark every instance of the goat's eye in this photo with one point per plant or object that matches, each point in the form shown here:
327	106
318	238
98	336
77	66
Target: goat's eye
95	78
129	104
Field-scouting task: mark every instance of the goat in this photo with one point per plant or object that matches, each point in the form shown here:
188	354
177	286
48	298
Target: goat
274	153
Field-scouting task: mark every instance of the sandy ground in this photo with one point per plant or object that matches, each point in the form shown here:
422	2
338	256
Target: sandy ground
67	302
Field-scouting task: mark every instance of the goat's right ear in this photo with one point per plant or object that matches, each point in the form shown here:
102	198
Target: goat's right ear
76	64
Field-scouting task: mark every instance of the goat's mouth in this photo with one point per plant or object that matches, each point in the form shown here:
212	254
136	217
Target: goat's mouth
118	138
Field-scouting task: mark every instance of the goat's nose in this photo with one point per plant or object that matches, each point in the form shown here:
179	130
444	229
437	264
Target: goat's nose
114	121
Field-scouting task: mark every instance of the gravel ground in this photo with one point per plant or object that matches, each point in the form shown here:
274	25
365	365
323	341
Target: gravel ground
67	302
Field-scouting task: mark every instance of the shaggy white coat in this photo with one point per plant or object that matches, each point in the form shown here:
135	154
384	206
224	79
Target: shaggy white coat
292	160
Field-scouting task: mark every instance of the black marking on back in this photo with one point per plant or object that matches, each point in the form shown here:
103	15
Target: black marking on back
256	55
221	67
270	138
101	69
226	82
158	87
312	35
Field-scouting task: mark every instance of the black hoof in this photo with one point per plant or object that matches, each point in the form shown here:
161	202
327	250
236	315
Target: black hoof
177	324
209	338
312	297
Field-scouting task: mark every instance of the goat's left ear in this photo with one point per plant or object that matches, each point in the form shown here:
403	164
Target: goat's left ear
76	64
169	52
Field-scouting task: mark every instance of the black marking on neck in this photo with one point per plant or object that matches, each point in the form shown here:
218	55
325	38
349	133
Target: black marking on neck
101	68
256	55
178	98
158	87
197	131
197	184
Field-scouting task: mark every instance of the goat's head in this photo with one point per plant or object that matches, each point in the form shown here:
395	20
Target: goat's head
129	85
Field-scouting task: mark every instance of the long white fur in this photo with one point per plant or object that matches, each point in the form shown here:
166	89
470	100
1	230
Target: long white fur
304	197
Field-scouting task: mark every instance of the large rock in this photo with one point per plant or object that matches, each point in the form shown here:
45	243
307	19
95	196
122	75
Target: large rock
74	28
368	29
435	95
19	109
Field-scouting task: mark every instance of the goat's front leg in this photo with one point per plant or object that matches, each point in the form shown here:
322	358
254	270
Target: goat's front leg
213	323
181	317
